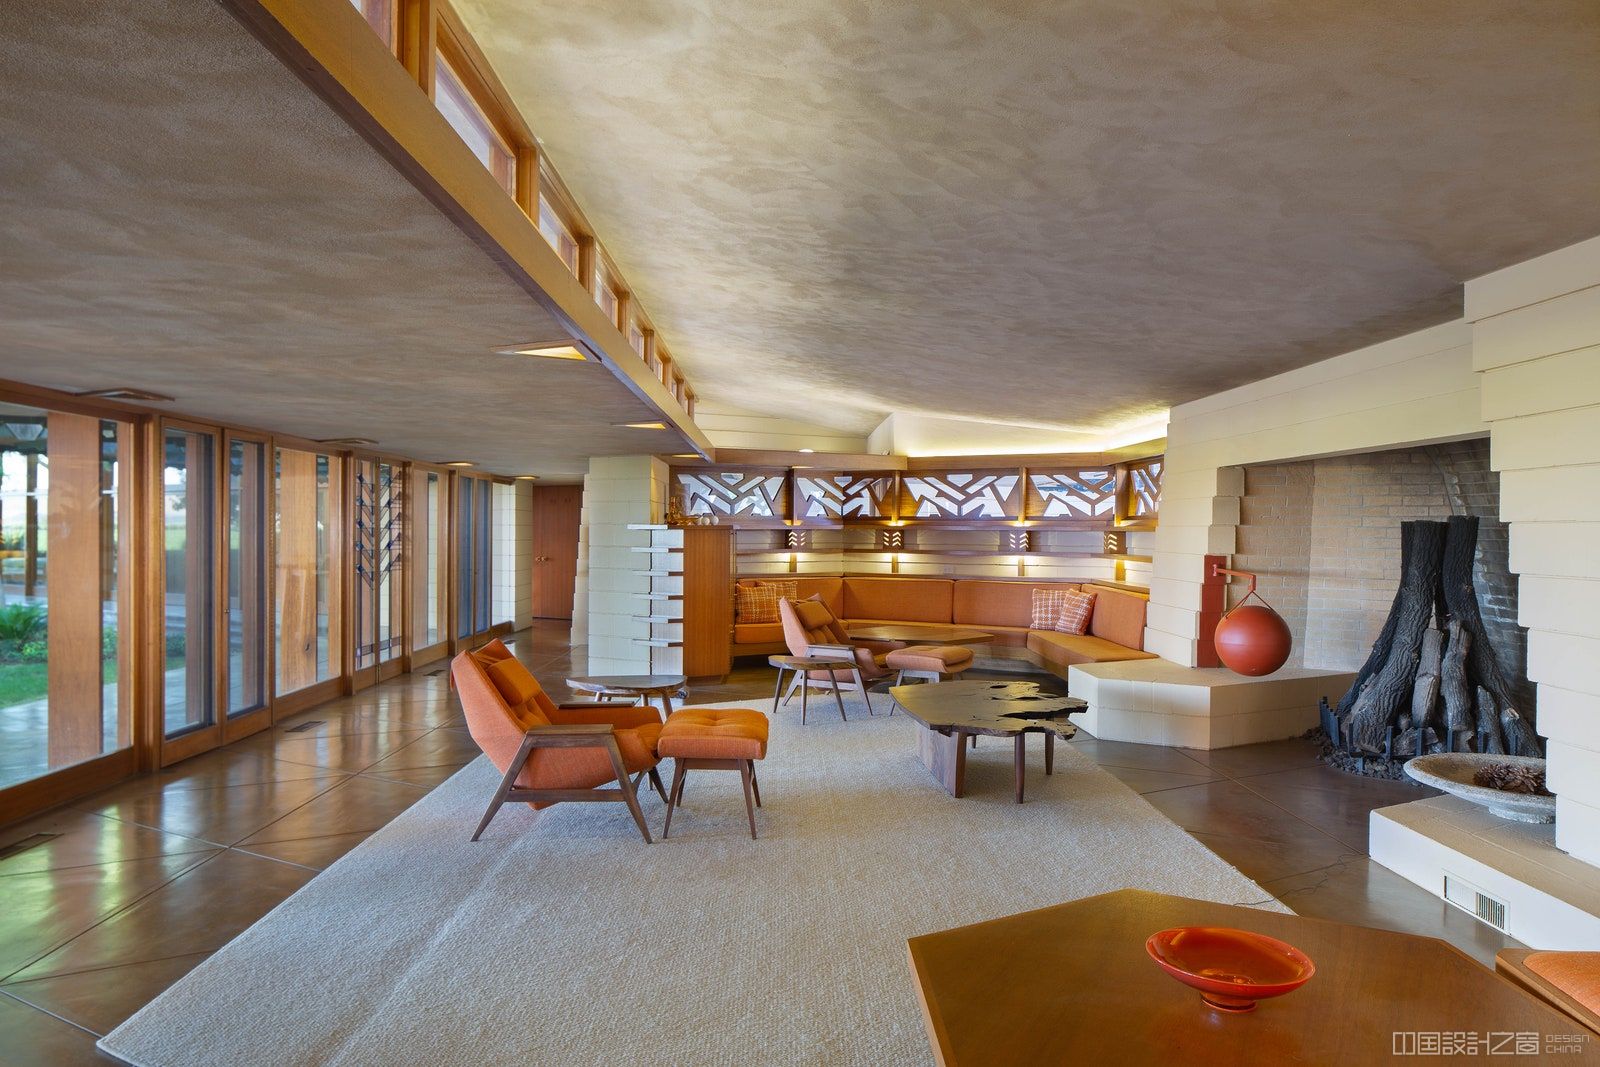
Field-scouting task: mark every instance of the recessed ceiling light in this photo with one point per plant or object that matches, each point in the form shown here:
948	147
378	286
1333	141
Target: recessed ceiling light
458	463
123	392
527	477
560	350
684	455
807	451
643	425
346	442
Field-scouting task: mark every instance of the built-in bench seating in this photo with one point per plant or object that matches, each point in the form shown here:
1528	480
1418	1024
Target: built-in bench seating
1003	608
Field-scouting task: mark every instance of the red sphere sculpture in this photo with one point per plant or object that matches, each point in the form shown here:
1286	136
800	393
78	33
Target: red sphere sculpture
1252	639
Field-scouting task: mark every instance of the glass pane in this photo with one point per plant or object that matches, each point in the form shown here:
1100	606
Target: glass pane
380	16
247	576
64	675
426	548
464	543
390	563
189	513
308	555
379	627
558	234
483	575
464	115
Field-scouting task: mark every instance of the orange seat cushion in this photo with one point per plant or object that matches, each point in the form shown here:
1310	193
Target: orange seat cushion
946	659
1576	974
1063	650
714	733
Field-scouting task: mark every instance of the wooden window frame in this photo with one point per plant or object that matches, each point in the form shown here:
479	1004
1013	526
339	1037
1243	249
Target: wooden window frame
469	67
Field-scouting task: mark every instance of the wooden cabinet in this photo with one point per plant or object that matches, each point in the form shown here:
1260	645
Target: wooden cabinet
687	606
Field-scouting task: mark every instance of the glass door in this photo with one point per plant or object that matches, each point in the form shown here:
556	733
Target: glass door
308	550
66	691
379	556
428	539
246	558
474	568
189	619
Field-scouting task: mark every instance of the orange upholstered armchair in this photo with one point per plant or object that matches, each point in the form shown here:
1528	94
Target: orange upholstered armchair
810	629
549	752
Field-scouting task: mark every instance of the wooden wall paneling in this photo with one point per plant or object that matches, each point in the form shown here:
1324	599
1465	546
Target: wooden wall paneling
75	730
707	600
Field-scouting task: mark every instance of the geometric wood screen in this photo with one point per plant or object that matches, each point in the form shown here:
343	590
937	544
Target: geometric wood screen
957	494
753	494
841	496
1089	493
1144	488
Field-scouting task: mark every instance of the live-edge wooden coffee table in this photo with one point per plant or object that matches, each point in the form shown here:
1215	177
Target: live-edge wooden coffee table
950	712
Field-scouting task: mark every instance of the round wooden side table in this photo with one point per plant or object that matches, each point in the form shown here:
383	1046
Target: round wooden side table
641	688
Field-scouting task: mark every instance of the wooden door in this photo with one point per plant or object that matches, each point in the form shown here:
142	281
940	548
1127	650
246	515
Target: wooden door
556	510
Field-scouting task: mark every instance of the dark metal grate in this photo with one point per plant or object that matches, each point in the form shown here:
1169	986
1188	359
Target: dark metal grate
31	841
303	727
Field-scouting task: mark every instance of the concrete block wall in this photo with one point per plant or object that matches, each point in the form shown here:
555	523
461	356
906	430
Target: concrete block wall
1536	346
512	574
618	491
1412	390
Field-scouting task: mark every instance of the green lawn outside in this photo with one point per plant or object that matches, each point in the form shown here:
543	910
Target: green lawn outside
22	682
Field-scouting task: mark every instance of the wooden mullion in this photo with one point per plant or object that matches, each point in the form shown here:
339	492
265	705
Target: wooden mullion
417	30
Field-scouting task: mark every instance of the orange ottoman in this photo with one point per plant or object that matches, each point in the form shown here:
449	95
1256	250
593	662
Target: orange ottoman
932	662
714	739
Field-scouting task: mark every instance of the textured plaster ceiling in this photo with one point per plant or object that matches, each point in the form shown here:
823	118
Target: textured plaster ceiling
181	214
1074	214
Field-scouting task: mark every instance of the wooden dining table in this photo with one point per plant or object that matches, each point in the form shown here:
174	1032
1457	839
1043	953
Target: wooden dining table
1073	984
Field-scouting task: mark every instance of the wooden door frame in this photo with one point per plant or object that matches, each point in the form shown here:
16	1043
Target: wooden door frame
533	503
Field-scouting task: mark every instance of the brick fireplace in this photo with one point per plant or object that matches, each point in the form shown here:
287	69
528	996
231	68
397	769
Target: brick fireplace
1324	535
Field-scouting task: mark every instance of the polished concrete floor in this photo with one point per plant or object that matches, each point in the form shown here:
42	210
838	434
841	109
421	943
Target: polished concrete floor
143	881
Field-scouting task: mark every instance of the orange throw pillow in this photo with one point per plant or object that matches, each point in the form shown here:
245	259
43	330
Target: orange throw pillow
759	604
1076	612
784	590
1047	605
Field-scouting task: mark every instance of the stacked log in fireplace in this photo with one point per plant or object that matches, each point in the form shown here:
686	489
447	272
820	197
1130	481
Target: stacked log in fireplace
1432	682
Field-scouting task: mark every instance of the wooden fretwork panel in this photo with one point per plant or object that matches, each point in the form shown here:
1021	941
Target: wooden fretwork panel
1144	489
752	494
961	495
1088	493
844	496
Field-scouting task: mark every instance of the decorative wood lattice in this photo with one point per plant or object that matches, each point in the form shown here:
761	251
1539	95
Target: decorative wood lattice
1144	488
840	496
754	494
1089	493
961	495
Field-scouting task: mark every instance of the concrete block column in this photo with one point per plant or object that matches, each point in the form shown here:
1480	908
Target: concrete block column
1199	517
1536	347
618	491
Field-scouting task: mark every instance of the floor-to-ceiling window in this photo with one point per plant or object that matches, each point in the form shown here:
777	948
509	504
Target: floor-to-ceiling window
309	536
247	563
379	546
65	669
429	547
474	567
188	489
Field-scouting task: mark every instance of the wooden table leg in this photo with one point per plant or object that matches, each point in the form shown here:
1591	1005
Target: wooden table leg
945	756
1021	762
776	691
666	706
1049	752
837	698
805	694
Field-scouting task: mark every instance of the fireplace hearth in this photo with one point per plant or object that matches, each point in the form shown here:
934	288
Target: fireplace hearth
1432	682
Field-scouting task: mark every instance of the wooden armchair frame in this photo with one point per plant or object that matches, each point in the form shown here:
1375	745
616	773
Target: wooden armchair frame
573	735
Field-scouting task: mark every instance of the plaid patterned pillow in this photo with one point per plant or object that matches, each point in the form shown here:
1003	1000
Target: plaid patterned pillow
757	604
1075	613
1047	605
783	590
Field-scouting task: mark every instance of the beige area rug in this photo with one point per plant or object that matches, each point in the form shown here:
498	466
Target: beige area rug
566	940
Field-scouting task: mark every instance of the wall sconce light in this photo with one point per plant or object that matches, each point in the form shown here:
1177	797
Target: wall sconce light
1116	542
1018	541
891	540
799	540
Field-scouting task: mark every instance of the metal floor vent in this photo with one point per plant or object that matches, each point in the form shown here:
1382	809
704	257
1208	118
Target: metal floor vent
303	727
1474	901
31	841
435	674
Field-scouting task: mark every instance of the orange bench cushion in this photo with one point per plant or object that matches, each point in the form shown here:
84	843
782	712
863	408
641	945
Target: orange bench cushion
901	599
758	633
1062	649
714	733
979	603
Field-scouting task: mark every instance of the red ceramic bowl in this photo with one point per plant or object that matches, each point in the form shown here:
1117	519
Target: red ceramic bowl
1232	968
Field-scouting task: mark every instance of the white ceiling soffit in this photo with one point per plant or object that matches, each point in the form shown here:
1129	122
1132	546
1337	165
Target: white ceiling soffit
1074	215
183	215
